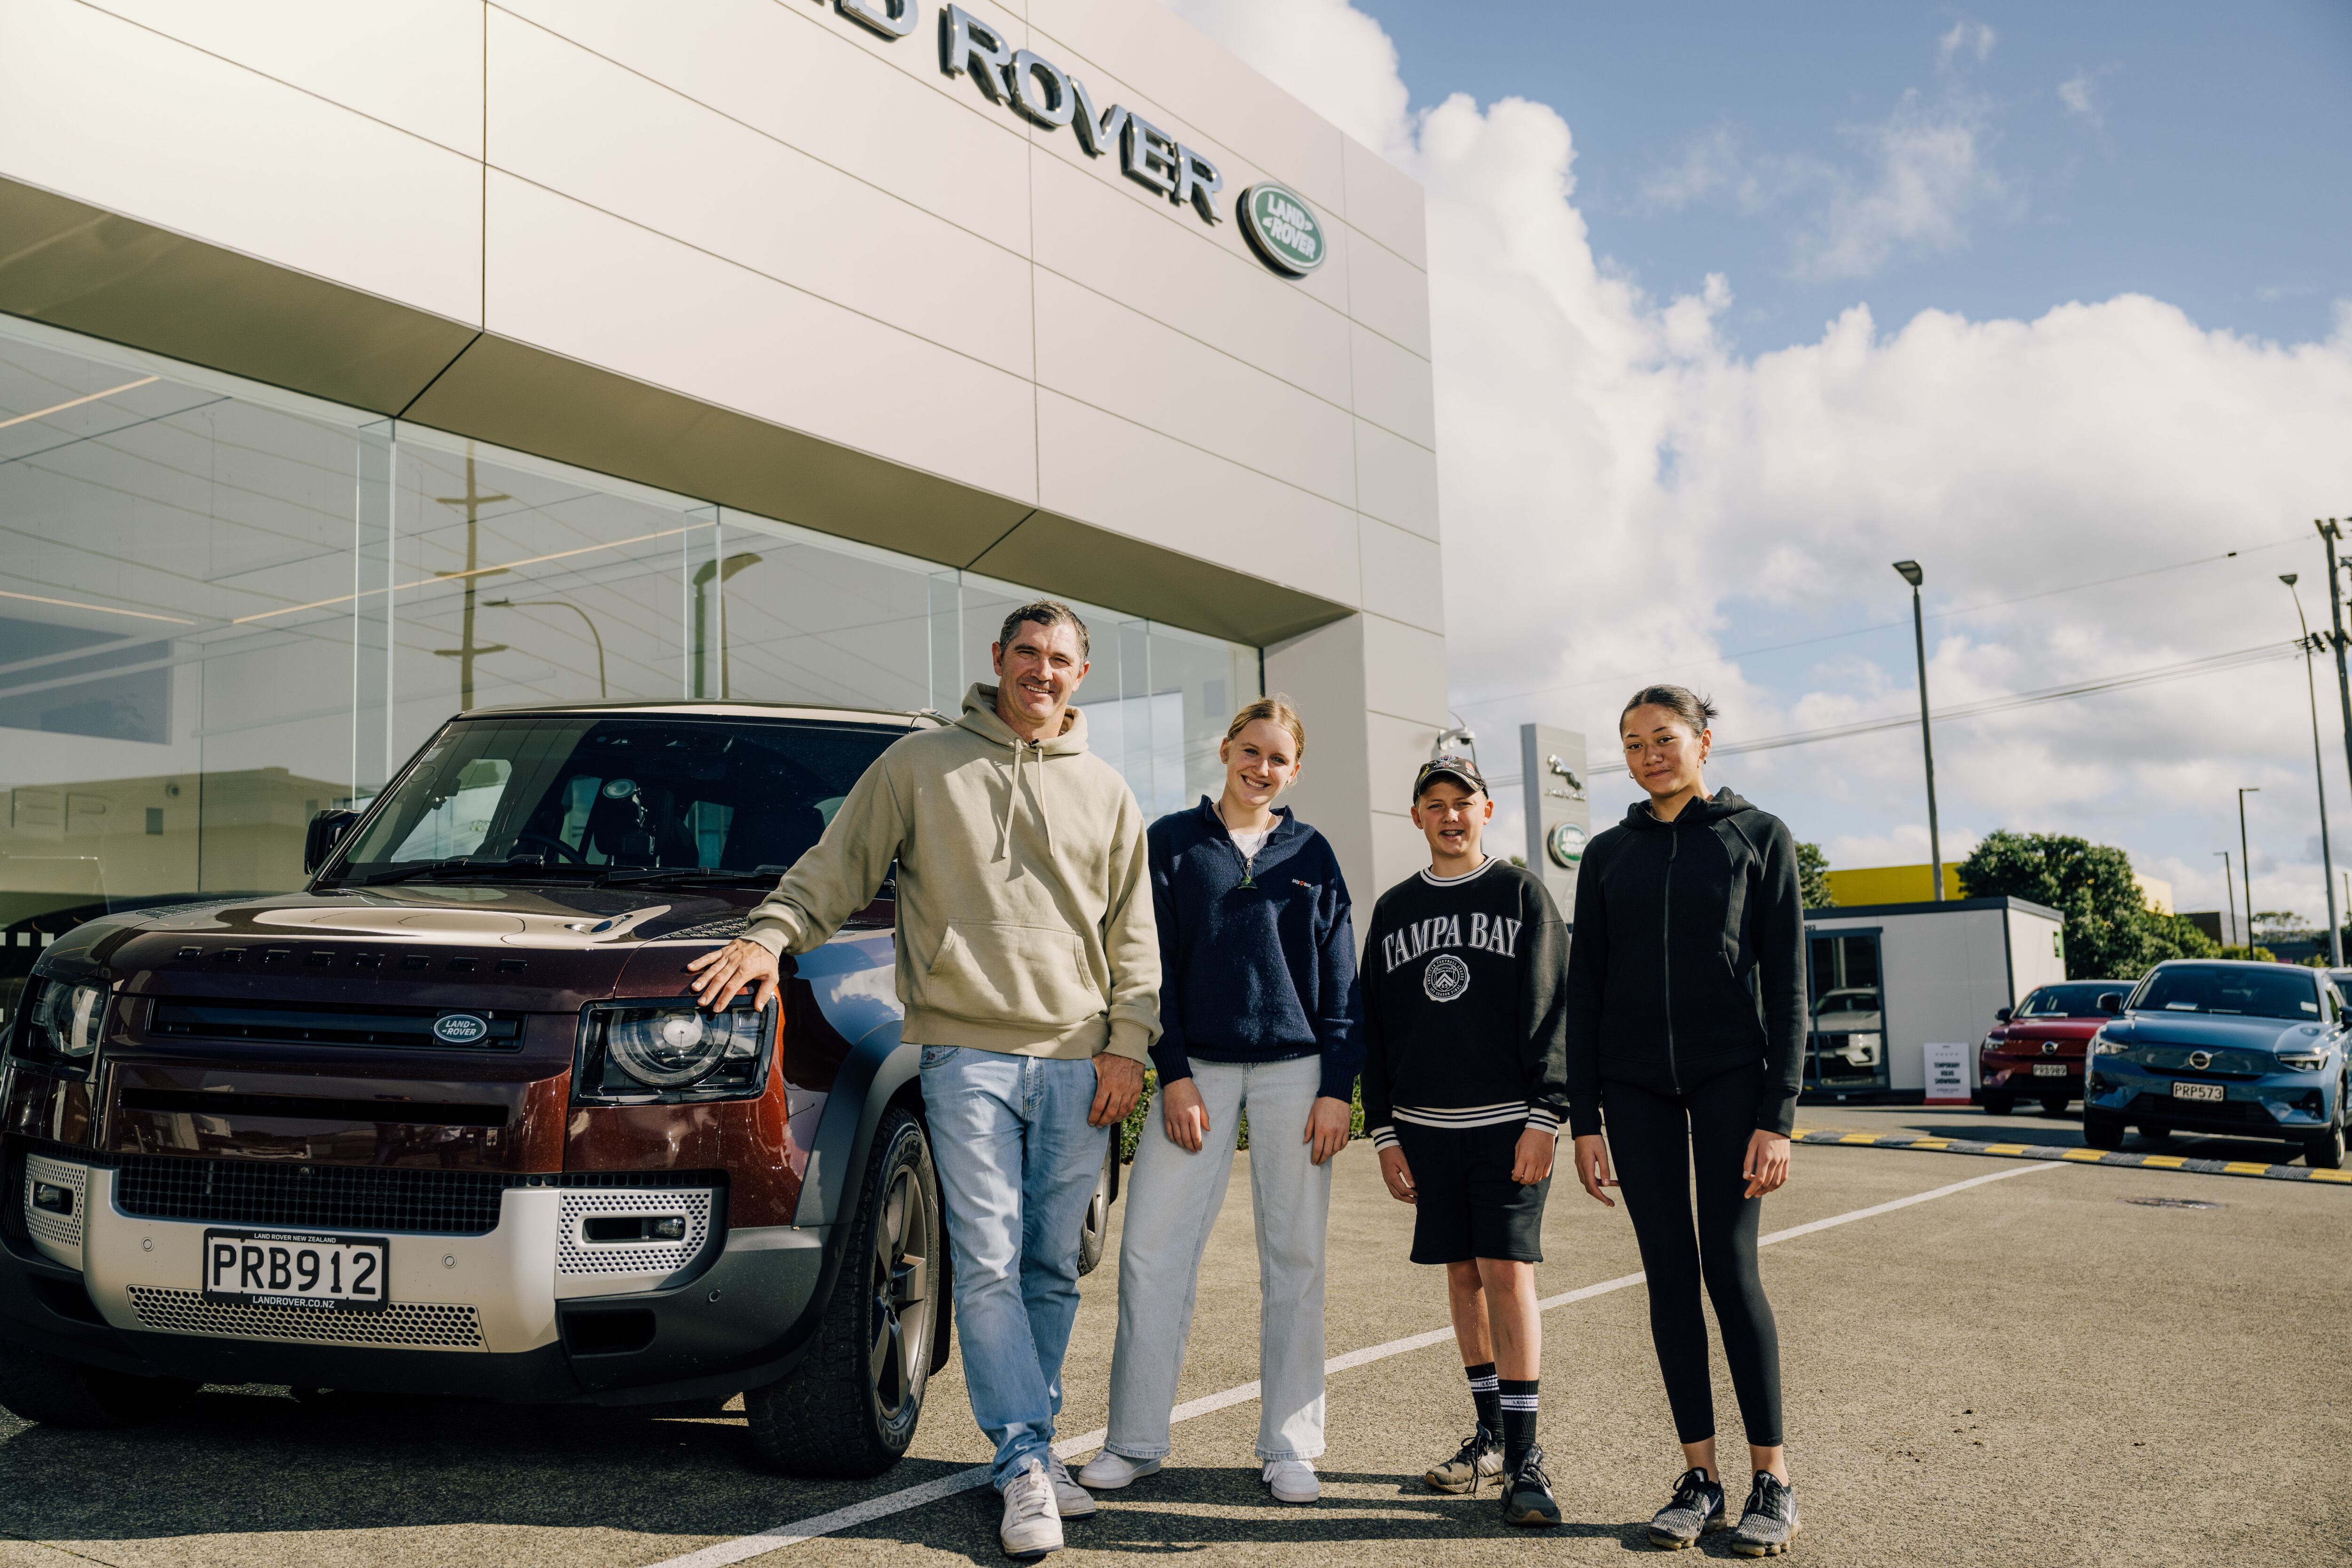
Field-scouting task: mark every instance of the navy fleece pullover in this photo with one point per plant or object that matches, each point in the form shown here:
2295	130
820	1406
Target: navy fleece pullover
1258	967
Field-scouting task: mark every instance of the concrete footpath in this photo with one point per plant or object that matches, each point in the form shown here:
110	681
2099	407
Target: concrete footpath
2040	1368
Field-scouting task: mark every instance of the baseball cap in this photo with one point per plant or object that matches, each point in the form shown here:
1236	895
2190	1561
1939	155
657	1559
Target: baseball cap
1461	770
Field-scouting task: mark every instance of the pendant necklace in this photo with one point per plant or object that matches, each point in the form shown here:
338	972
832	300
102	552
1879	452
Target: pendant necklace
1249	872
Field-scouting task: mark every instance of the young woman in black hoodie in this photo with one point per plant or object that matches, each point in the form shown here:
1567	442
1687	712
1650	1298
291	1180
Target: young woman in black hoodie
1685	1030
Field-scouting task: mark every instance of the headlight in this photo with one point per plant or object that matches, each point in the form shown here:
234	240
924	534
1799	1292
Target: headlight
65	1020
2302	1063
672	1051
2098	1045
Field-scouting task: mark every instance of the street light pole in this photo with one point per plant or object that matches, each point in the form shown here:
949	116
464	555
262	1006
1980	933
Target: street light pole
1910	573
2319	777
2229	891
2246	863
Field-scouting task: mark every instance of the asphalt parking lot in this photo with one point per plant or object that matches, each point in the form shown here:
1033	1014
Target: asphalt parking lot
2033	1369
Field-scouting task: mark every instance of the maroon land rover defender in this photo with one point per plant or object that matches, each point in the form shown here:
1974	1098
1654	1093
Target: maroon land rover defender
447	1121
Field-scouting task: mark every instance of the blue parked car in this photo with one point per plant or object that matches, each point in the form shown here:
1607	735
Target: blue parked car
2248	1050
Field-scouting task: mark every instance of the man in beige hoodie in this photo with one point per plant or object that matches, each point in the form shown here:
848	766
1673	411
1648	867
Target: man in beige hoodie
1030	969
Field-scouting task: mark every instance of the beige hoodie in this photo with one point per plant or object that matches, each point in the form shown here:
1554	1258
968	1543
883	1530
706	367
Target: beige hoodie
1025	900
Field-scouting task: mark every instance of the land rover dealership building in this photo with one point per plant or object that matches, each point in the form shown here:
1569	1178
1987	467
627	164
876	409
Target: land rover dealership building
358	365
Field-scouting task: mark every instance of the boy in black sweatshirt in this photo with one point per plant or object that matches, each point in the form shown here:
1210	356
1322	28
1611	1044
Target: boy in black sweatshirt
1465	1087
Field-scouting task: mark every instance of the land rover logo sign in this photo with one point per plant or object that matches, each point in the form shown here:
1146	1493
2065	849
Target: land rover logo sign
1565	845
1282	227
459	1028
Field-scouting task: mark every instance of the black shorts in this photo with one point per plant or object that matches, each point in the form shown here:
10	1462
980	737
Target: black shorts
1465	1205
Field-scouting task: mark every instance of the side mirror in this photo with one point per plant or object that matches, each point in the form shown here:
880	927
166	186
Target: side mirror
325	832
2111	1002
2001	1014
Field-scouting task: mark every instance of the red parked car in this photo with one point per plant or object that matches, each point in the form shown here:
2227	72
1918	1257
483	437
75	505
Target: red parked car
2035	1051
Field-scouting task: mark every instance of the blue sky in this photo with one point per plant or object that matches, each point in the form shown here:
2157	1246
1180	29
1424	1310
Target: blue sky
2200	154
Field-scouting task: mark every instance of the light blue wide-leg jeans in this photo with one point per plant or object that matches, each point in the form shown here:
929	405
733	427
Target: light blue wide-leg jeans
1172	1199
1017	1163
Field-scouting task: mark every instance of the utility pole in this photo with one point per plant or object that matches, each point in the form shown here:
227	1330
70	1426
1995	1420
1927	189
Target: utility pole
467	650
2311	645
2229	891
2246	863
1910	573
2331	530
601	689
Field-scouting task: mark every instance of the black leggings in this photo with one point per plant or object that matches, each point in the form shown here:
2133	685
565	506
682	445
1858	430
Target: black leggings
1655	1140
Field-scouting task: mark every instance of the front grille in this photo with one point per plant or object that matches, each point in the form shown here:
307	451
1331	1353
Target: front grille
324	1024
2164	1108
61	1231
413	1325
400	1112
347	1197
317	1197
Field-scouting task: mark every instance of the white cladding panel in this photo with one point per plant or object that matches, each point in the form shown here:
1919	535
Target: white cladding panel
1945	973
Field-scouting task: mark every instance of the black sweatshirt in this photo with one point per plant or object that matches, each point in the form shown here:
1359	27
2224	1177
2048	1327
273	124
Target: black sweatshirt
1463	1023
1689	958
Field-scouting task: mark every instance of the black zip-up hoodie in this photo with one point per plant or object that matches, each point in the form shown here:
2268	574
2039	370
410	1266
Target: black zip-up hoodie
1688	958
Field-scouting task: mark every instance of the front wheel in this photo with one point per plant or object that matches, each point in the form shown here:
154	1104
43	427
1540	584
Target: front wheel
850	1409
55	1392
2325	1150
2101	1130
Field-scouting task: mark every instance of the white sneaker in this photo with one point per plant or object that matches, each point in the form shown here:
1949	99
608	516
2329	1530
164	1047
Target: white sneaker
1292	1481
1071	1501
1107	1472
1033	1524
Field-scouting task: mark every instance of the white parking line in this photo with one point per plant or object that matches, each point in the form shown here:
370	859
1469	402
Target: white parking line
792	1532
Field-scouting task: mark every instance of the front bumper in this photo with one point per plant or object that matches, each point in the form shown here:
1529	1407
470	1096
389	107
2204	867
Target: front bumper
2288	1105
530	1309
2018	1074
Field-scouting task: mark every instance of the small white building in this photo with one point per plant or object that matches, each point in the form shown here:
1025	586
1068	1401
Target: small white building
1884	980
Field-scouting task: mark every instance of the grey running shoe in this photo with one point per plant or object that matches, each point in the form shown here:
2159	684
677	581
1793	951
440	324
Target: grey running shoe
1480	1458
1770	1522
1698	1508
1527	1495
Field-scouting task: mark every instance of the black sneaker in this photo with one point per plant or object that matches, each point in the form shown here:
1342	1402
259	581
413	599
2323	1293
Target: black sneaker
1698	1508
1770	1522
1479	1458
1527	1494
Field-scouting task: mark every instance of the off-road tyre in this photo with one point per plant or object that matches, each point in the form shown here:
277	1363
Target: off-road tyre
1998	1104
2102	1131
1097	1221
850	1408
55	1392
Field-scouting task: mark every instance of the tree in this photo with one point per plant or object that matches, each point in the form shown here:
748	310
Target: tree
2111	934
1813	876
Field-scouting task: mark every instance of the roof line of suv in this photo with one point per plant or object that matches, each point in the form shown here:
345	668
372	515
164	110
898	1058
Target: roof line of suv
703	707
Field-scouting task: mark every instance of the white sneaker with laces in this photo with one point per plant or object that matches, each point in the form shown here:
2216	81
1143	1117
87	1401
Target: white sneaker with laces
1292	1481
1107	1472
1031	1526
1071	1501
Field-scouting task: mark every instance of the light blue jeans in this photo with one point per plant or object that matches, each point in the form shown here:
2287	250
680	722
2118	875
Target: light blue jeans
1172	1199
1017	1163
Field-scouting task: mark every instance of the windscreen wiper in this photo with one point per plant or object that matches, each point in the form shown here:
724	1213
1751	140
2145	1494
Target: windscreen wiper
689	874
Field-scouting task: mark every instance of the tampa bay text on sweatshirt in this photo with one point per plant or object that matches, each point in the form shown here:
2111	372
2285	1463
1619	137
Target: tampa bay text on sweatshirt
1463	1020
1257	960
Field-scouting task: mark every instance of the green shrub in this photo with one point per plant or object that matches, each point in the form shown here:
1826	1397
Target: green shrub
1130	1131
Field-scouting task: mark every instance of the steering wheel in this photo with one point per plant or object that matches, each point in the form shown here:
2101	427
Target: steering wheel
562	850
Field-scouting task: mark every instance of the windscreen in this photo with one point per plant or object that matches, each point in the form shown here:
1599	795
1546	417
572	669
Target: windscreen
2214	988
2068	1001
690	792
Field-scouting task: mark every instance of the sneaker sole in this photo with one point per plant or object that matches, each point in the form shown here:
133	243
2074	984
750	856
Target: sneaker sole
1665	1543
1029	1554
1765	1549
1533	1521
1088	1512
1429	1478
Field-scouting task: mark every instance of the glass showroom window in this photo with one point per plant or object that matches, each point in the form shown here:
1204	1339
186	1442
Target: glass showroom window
224	607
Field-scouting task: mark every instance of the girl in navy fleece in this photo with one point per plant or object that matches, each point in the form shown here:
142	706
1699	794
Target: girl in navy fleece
1258	1011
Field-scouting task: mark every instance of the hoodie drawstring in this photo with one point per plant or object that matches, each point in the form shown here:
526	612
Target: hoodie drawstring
1013	800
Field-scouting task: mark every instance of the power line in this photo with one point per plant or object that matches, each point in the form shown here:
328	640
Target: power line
2211	664
1876	627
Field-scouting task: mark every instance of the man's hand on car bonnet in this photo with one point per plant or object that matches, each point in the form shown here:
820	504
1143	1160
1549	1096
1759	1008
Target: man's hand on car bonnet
728	972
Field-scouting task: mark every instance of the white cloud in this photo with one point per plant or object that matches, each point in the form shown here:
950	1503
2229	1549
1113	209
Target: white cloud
1974	38
2079	93
1623	493
1928	176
